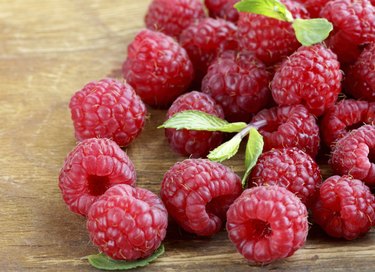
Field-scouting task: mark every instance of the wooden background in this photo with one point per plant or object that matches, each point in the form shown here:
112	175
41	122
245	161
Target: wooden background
48	50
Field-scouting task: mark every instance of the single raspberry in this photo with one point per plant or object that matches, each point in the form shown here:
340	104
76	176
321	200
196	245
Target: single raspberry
190	142
315	6
107	108
157	67
346	50
343	117
197	194
360	80
354	155
127	223
311	76
290	126
267	223
222	9
206	39
269	39
92	167
173	16
345	207
290	168
356	18
239	83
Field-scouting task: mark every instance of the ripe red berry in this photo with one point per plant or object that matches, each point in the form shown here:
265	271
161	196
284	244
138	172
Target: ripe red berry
191	142
173	16
157	67
222	9
343	117
290	126
354	155
345	207
92	167
107	108
360	80
239	83
311	76
197	194
346	50
127	223
315	6
269	39
290	168
205	40
267	223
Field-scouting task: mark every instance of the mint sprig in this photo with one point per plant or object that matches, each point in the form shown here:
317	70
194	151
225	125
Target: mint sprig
308	31
225	151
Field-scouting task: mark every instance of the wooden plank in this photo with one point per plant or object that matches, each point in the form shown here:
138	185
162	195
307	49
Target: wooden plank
48	50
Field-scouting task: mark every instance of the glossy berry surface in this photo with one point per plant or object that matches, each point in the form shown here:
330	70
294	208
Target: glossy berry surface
222	9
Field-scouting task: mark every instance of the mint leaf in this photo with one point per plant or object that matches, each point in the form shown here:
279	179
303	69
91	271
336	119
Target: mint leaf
312	31
198	120
269	8
225	151
102	261
254	149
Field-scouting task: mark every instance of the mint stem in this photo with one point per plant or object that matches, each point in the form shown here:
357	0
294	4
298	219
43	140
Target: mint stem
256	125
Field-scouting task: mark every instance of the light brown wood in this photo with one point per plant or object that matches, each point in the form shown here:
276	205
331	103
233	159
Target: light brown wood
48	50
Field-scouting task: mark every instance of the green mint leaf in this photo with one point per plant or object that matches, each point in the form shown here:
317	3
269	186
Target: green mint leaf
198	120
225	151
254	149
101	261
269	8
312	31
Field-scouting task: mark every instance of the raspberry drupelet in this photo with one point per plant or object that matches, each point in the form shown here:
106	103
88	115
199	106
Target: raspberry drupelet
90	169
197	194
222	9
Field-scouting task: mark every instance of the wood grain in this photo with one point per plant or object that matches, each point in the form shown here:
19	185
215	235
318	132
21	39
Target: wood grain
48	50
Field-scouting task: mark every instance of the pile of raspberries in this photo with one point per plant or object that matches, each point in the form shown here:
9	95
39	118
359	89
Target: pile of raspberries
239	67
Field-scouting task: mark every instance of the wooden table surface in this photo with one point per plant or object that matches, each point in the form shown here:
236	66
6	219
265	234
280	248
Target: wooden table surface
48	50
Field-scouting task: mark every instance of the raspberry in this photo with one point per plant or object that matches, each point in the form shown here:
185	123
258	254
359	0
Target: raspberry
354	155
239	83
222	9
290	126
269	39
127	223
92	167
343	117
107	108
345	207
197	194
360	81
290	168
158	68
267	223
190	142
311	76
347	52
315	6
173	16
206	39
356	18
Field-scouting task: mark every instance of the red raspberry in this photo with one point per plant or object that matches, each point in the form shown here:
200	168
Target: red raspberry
92	167
345	207
360	81
269	39
206	39
222	9
290	168
290	126
158	68
347	52
344	116
173	16
190	142
127	223
197	194
107	108
267	223
354	155
239	83
311	76
315	6
356	18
